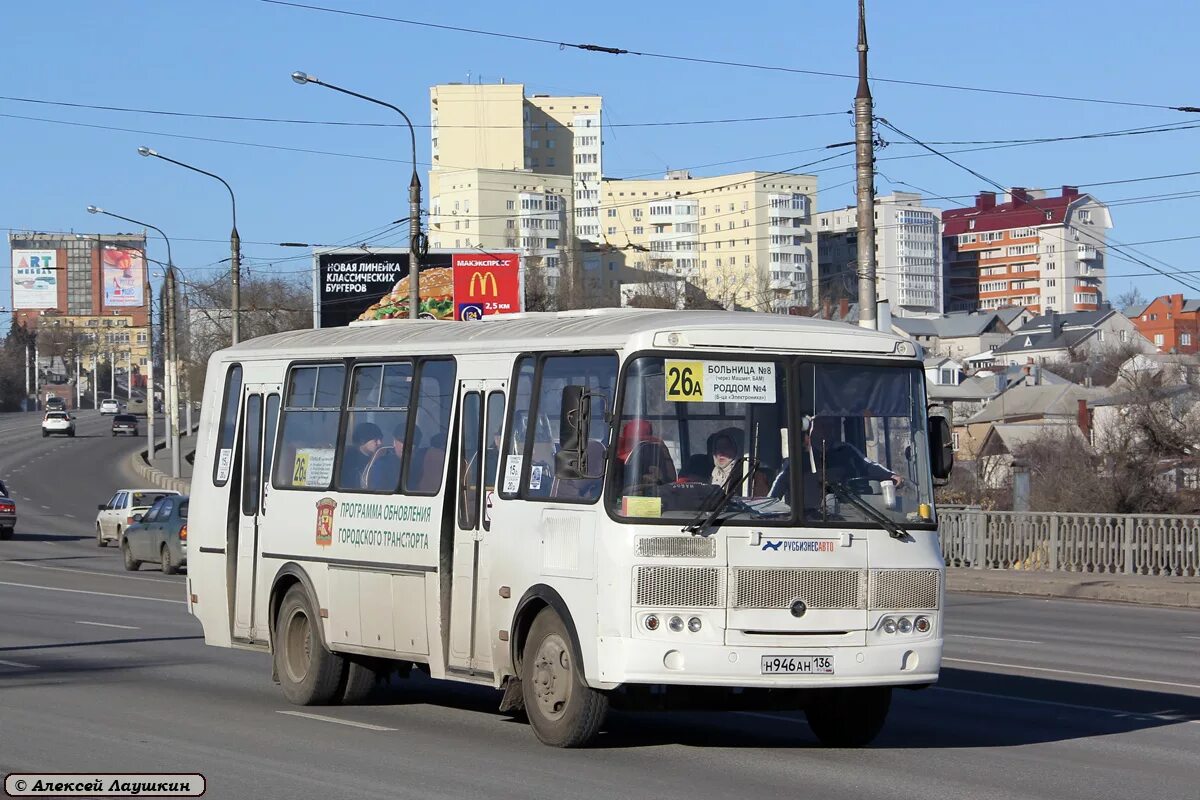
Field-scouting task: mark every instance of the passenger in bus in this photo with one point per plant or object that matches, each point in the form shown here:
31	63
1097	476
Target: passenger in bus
647	461
367	438
728	464
383	473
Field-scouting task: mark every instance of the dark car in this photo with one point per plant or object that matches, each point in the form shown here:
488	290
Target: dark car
8	513
125	423
55	403
160	535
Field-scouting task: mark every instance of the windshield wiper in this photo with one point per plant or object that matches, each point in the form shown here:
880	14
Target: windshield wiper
844	493
696	525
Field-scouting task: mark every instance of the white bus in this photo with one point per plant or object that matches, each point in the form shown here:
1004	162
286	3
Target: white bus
620	507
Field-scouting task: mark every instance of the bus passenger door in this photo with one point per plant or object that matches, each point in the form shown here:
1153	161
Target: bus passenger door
480	419
260	412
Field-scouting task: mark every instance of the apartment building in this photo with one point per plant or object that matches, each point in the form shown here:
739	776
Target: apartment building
1171	322
745	239
1045	253
908	254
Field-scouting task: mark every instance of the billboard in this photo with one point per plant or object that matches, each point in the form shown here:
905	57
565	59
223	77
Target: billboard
35	278
356	285
123	271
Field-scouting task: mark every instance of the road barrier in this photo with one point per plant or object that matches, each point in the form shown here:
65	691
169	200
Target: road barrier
1044	541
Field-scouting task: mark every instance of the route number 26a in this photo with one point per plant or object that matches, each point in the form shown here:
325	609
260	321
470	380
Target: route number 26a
685	381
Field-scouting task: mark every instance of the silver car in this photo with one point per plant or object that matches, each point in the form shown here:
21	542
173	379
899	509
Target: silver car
159	536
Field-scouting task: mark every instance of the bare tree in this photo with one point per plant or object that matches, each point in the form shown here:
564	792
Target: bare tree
1131	297
1096	366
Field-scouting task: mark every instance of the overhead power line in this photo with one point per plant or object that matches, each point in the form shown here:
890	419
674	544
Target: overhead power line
620	51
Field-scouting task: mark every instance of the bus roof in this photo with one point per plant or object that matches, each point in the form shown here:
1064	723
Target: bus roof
603	328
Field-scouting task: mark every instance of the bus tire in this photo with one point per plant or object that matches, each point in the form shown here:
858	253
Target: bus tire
360	681
850	717
308	673
562	710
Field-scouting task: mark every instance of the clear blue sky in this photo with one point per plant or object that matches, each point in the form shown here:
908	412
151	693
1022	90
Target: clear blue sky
235	57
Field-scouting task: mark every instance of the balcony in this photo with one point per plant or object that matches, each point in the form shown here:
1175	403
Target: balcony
1087	252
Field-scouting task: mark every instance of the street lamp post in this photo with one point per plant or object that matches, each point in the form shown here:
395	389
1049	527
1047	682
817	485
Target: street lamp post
172	364
235	244
414	193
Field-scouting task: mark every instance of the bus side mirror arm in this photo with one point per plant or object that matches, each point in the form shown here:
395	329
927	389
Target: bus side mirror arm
575	420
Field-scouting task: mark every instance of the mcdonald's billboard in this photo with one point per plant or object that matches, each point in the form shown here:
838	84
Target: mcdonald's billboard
485	284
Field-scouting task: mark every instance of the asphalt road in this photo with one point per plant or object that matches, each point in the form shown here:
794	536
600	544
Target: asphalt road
103	670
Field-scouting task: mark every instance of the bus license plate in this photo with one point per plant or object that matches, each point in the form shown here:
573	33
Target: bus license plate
797	665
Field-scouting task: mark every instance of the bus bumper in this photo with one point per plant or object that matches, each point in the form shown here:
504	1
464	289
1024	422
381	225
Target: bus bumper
644	661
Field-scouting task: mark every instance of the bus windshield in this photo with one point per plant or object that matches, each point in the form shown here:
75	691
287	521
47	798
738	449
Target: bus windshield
693	430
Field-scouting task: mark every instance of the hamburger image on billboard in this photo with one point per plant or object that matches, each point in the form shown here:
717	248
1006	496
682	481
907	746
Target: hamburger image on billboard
436	302
471	287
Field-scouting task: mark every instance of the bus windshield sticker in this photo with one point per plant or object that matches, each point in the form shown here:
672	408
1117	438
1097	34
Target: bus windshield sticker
720	381
224	461
512	473
641	506
313	467
535	476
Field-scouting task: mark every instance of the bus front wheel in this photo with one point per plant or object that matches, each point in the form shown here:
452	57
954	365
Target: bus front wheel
308	673
563	711
850	717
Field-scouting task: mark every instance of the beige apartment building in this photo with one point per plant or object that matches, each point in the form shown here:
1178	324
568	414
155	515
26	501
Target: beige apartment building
745	239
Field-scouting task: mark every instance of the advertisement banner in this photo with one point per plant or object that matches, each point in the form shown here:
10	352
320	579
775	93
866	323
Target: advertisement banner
486	284
123	271
355	285
35	278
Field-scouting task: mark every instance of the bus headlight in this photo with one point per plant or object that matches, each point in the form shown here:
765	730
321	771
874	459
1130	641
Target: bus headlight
888	625
904	625
694	624
675	624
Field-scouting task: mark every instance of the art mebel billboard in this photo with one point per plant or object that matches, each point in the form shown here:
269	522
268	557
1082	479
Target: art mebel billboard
356	284
35	278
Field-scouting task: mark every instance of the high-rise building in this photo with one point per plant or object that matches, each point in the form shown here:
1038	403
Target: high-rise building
1045	253
85	294
745	239
908	254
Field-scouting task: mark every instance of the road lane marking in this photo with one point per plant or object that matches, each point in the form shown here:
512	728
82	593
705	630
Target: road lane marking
320	718
84	591
91	572
1073	672
989	638
72	516
1192	637
1074	706
17	664
46	507
107	625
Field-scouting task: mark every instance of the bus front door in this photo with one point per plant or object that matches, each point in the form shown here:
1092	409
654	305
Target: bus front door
480	419
260	413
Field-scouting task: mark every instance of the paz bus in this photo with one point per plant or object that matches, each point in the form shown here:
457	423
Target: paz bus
583	510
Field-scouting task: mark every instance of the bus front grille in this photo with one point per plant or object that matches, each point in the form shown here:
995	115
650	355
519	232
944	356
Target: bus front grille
677	546
681	587
904	589
756	588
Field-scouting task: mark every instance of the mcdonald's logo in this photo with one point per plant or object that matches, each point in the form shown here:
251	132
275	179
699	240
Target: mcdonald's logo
484	280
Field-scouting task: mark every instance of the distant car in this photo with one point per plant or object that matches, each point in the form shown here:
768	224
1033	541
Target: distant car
136	406
8	513
55	403
59	422
118	513
125	423
160	535
110	406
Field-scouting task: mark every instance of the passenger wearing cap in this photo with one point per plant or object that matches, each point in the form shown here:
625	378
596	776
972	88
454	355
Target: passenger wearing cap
367	438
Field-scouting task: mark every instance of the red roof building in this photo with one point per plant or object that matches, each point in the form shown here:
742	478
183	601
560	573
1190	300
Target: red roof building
1171	322
1045	253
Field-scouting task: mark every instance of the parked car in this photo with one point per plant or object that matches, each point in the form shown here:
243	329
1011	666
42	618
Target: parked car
118	513
125	423
55	403
110	406
8	513
160	535
59	422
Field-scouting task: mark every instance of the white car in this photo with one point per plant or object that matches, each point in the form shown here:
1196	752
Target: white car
59	422
118	513
110	406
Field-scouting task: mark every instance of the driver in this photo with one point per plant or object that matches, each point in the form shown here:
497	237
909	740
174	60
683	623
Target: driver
832	460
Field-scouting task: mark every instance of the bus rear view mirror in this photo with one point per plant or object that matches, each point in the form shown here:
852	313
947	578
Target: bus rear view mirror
574	422
941	448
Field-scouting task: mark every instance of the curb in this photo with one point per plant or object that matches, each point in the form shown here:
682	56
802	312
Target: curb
156	477
1172	592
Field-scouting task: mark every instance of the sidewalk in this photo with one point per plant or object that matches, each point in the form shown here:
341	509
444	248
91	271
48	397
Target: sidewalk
1141	589
158	470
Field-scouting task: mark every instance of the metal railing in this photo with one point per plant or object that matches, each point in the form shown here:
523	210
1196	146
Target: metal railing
1115	544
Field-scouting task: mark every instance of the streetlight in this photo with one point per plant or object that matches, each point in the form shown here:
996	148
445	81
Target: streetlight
172	364
414	193
235	242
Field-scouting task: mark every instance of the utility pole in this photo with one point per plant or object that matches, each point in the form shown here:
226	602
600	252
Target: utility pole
172	375
864	153
95	380
37	378
112	374
78	389
129	374
27	376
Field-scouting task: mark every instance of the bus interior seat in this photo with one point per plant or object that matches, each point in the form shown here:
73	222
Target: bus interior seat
649	463
698	468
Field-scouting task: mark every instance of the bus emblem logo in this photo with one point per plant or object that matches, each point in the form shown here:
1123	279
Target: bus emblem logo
325	507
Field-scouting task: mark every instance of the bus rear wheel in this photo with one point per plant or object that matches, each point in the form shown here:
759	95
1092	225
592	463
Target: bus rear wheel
850	717
308	673
563	711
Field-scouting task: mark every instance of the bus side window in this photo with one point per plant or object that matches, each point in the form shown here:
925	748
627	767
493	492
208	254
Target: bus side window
518	425
373	440
223	463
425	459
308	437
597	373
